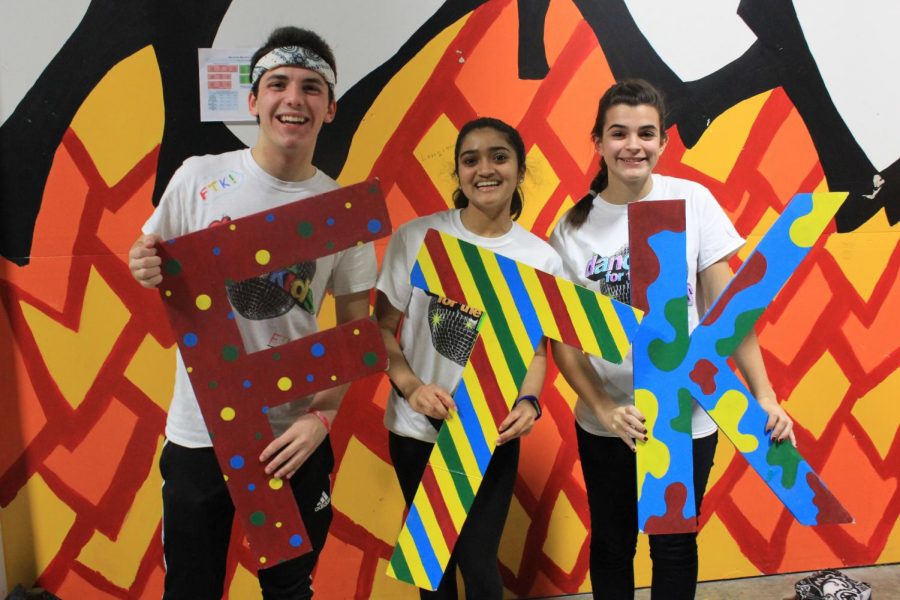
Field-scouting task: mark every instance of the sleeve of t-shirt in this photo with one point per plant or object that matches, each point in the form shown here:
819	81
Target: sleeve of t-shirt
354	270
557	241
393	281
718	237
169	219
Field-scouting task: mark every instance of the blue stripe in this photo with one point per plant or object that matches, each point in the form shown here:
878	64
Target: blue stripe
416	528
472	426
519	292
627	318
417	278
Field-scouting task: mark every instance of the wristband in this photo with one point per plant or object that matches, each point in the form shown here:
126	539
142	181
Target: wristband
323	419
534	402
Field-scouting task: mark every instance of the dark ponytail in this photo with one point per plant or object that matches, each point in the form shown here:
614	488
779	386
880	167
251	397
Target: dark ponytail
579	213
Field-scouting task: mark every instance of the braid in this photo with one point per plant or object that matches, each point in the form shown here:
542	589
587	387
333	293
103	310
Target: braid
579	213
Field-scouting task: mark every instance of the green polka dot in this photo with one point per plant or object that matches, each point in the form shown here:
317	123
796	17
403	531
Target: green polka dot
173	267
276	356
213	385
230	353
229	281
369	359
329	244
304	229
257	435
258	518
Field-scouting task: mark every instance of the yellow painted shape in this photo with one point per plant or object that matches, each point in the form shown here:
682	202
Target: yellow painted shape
75	357
476	395
891	551
653	455
722	460
864	254
429	272
508	304
723	141
34	525
818	395
877	413
515	533
244	585
643	566
565	390
435	153
387	112
121	121
565	205
762	226
448	490
719	554
727	414
378	510
807	229
540	183
118	560
152	369
413	560
387	587
565	534
432	529
539	300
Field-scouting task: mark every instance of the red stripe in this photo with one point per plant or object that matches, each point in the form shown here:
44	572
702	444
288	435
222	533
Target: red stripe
441	512
497	404
444	267
559	311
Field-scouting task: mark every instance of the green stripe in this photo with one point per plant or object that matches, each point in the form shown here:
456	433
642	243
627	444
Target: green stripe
492	307
401	569
598	324
457	473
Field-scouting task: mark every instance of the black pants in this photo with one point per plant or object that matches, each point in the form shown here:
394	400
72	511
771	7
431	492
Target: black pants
476	549
610	475
197	517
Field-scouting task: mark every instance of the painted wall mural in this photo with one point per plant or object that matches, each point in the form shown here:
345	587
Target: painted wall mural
788	103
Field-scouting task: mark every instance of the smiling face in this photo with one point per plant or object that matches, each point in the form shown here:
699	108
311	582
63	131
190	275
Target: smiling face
292	104
631	145
488	171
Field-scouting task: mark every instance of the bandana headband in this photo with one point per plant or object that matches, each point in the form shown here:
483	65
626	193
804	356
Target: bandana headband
295	56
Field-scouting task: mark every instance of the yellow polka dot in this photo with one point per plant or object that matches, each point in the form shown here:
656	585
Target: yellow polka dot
232	227
356	332
225	477
190	369
348	205
285	383
227	414
278	524
360	243
262	560
263	257
203	302
275	483
334	377
168	293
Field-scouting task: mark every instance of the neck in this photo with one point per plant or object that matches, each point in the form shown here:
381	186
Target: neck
485	225
626	192
293	166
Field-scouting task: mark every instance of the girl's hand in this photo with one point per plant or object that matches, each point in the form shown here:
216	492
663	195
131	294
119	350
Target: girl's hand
779	426
432	400
289	451
517	423
627	422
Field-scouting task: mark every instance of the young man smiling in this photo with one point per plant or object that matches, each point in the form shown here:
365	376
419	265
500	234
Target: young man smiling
293	78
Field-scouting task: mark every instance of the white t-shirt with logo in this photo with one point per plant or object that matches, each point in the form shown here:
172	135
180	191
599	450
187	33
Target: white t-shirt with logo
437	334
596	255
271	309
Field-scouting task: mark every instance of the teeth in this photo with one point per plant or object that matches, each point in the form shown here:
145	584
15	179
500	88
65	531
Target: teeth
485	184
292	119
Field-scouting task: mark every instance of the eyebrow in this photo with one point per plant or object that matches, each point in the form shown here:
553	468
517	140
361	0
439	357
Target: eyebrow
491	149
314	78
640	127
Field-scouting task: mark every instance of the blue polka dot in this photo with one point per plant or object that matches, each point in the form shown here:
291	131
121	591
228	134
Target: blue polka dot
317	350
170	242
237	462
217	251
190	340
230	315
265	409
251	486
310	377
296	540
330	220
270	217
374	226
247	383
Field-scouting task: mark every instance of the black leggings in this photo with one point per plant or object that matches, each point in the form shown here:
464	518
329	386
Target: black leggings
476	549
610	475
197	517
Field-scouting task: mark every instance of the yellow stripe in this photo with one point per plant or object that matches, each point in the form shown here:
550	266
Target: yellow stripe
429	520
413	560
476	394
463	448
614	324
448	490
430	273
580	323
539	299
501	289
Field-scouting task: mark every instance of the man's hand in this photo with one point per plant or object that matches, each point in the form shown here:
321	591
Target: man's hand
289	451
143	261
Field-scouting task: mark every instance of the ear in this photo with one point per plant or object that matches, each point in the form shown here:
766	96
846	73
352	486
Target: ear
598	145
663	142
251	103
332	111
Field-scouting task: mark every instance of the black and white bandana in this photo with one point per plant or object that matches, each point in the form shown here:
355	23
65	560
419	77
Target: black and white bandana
295	56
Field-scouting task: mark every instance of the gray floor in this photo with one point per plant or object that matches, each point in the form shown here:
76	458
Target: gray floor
884	580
